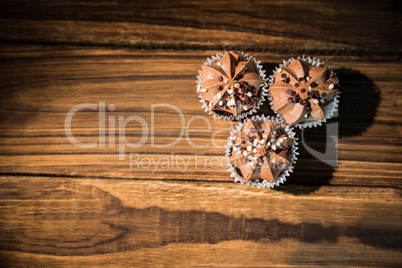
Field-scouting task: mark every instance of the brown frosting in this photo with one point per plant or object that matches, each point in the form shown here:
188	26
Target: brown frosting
231	85
260	151
301	92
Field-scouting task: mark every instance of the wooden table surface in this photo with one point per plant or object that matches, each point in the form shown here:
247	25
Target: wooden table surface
68	206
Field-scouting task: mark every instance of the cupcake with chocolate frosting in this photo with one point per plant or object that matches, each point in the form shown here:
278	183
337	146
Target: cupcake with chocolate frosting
304	92
231	85
261	152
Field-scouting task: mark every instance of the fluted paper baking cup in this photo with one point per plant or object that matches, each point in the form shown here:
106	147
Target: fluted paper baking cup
262	93
285	173
330	109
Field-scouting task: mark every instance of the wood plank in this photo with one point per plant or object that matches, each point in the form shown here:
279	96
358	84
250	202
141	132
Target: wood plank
83	222
40	84
63	205
296	26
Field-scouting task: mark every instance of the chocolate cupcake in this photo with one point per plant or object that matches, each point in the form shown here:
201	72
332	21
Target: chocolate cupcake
231	85
261	152
303	92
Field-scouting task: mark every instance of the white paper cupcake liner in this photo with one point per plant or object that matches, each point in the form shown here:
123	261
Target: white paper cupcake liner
285	173
263	92
330	109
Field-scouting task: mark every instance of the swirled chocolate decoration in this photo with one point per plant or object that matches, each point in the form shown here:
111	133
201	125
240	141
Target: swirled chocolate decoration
301	91
231	85
260	151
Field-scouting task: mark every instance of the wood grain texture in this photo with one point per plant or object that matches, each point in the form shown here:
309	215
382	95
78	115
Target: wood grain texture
81	222
37	95
289	26
65	206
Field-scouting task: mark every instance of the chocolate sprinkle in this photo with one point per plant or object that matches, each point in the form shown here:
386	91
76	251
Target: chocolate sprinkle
297	85
303	90
323	94
289	91
283	75
220	78
293	93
